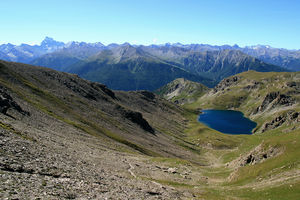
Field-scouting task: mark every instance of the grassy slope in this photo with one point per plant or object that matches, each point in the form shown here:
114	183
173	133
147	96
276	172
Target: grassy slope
45	90
238	96
275	178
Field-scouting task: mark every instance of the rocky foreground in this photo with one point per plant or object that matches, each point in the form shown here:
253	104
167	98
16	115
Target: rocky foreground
66	138
39	163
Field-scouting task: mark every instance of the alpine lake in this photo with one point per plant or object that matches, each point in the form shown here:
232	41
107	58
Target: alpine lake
227	121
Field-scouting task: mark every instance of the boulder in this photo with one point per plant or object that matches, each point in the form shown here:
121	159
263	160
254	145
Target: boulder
137	118
7	102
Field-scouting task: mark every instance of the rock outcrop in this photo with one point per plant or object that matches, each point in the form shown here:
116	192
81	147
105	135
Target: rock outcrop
7	102
137	118
289	117
148	95
293	84
274	99
226	83
257	155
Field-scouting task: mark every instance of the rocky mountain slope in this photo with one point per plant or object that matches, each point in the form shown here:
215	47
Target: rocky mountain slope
289	59
221	64
215	64
71	138
182	91
130	68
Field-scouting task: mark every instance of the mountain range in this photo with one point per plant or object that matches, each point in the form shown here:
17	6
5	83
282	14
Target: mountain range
131	68
26	53
139	67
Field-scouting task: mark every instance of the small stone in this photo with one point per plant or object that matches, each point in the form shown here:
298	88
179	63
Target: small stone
172	170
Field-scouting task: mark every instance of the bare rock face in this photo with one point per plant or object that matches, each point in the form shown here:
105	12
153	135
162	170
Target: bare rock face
274	99
257	155
293	84
252	85
104	89
289	117
137	118
226	83
268	99
148	95
7	102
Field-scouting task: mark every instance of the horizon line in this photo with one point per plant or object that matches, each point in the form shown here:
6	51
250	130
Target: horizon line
138	44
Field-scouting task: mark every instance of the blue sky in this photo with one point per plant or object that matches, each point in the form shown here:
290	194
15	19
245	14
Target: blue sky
218	22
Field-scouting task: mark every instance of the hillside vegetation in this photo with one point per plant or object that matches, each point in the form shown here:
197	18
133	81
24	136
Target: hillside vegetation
271	99
264	165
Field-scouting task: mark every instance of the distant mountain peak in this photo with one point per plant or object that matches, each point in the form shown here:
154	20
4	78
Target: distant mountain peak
50	42
97	44
126	44
126	51
47	40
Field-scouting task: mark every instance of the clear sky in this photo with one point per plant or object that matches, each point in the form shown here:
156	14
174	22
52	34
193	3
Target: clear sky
218	22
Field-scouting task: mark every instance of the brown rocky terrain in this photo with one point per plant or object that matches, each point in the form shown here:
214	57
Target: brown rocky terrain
63	137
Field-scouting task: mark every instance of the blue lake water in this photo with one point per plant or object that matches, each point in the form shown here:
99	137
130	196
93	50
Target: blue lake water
227	121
